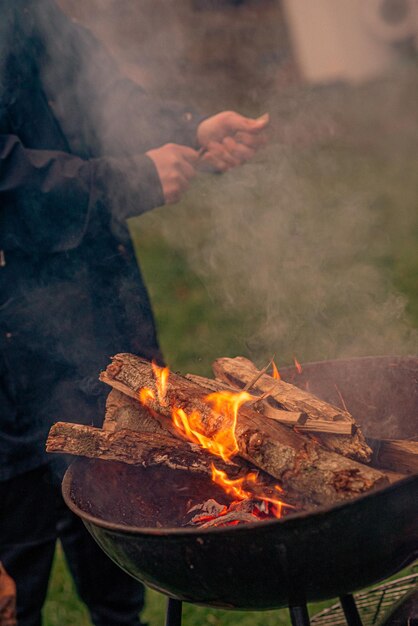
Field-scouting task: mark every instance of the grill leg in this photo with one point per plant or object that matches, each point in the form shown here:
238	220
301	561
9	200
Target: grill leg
299	615
350	611
173	615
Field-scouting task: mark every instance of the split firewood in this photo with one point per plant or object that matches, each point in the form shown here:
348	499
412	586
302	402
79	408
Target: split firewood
394	477
395	454
300	420
290	418
241	371
148	449
134	448
299	464
125	413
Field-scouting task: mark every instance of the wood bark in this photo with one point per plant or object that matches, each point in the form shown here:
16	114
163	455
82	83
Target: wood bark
288	418
240	371
125	412
135	448
299	464
394	477
395	454
149	449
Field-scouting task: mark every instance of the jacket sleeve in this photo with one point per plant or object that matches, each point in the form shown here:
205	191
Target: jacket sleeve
125	118
50	199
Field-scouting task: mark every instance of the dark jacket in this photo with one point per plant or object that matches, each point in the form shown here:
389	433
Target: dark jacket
73	133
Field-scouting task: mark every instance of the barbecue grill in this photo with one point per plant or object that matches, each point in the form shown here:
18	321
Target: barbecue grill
308	557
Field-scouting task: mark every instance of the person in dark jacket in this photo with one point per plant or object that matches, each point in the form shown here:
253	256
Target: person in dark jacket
82	149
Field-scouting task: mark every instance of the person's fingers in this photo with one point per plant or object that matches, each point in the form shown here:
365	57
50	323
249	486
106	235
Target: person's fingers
187	170
218	151
173	196
175	188
192	156
213	163
176	166
251	140
228	123
239	151
237	122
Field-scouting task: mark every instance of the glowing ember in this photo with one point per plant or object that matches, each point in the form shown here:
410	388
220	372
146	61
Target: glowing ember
273	507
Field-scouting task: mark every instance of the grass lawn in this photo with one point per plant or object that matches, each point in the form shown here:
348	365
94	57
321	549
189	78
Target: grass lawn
64	609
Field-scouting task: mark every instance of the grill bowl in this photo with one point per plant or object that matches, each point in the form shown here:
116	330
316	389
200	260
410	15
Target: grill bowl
308	557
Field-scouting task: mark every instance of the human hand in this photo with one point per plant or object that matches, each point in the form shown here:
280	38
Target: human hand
175	165
230	139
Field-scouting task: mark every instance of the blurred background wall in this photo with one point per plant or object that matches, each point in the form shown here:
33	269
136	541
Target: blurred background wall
250	45
196	48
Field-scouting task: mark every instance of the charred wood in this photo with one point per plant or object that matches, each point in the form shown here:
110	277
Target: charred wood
211	514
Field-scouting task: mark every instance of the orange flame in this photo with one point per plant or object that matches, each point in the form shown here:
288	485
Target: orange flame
236	489
223	443
297	365
161	377
276	373
145	395
233	488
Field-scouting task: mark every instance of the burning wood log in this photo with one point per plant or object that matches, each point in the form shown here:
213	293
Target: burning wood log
396	457
149	449
299	464
288	418
134	448
240	371
400	456
125	413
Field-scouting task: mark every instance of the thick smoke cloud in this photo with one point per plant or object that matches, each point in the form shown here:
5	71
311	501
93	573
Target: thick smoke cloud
301	245
305	241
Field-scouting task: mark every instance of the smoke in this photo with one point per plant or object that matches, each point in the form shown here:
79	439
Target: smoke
300	245
303	244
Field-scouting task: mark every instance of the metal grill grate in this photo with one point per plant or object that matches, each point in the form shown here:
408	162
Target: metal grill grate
372	604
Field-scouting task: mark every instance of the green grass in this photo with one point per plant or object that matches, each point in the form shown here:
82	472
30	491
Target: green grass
63	608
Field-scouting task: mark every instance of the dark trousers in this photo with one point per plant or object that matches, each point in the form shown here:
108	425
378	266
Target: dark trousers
33	516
